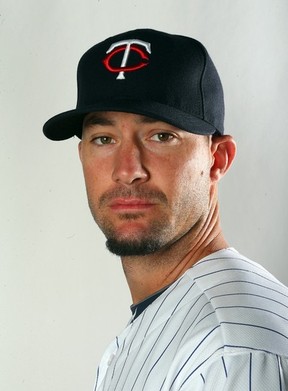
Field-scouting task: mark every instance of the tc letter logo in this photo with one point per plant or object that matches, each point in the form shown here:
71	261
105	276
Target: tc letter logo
126	47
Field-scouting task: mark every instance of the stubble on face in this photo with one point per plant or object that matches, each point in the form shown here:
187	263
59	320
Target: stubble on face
163	229
150	240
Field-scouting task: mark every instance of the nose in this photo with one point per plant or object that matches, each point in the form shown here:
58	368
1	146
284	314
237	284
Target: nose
129	164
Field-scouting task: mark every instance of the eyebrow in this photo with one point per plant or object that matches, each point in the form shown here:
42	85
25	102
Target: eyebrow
97	119
147	120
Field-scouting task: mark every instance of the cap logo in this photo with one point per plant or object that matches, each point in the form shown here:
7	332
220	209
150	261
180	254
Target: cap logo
127	47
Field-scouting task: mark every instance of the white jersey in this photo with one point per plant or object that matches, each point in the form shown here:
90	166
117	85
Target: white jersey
223	325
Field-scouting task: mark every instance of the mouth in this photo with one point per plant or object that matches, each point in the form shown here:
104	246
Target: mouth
130	204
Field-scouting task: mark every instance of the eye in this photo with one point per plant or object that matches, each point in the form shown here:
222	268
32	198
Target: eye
162	137
103	140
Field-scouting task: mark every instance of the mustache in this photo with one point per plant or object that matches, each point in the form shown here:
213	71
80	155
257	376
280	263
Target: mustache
142	194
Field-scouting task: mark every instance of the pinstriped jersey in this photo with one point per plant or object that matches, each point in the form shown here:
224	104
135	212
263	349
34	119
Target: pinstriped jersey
223	325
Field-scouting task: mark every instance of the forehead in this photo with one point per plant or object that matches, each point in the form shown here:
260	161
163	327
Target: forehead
113	117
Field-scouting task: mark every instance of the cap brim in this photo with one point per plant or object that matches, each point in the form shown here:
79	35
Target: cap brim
69	123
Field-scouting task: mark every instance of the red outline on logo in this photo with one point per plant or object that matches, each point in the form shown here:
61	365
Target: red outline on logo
126	69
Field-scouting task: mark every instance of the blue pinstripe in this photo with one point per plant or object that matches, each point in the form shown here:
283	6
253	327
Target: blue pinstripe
211	299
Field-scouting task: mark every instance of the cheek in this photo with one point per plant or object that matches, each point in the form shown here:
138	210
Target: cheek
179	172
94	180
188	185
88	171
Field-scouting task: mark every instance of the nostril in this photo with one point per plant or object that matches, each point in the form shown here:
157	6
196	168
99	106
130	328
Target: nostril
129	169
129	176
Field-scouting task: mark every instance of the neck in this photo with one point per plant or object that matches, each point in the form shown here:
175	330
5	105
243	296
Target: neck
148	274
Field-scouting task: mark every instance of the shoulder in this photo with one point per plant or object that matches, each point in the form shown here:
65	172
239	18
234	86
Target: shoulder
227	277
234	321
240	302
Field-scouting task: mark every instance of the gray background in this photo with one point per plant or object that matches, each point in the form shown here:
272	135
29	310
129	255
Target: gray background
63	297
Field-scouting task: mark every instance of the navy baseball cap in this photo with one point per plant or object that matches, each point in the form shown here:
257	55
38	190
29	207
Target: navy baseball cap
163	76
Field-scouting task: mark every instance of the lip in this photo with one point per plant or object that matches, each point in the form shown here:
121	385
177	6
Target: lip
130	204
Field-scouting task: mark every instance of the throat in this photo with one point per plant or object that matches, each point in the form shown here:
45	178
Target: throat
138	308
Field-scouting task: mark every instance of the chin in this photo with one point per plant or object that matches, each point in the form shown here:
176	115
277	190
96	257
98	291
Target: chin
125	248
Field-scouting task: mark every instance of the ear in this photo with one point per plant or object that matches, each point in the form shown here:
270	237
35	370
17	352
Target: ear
80	150
223	151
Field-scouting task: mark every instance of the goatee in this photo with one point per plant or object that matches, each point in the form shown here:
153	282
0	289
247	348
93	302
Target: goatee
133	248
150	242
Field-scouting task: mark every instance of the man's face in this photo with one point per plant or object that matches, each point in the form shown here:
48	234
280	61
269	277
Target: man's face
148	183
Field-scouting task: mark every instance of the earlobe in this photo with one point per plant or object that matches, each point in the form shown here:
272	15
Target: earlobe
223	151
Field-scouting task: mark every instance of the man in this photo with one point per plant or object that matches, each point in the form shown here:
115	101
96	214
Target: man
150	118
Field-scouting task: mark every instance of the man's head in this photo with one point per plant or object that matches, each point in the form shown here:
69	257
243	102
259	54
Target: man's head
148	182
150	115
